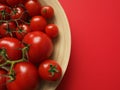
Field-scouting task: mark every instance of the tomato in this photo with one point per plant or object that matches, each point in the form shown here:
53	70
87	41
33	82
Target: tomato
26	77
38	23
3	79
13	2
22	31
50	70
3	2
17	13
6	29
41	46
4	12
51	30
47	11
12	47
33	7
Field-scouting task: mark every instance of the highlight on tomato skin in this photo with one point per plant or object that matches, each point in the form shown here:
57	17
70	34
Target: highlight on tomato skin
26	46
50	70
47	12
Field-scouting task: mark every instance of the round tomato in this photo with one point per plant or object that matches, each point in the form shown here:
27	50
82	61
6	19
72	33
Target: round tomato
41	46
22	31
38	23
33	7
3	79
50	70
3	2
12	48
13	2
26	77
7	28
4	12
51	30
47	11
17	13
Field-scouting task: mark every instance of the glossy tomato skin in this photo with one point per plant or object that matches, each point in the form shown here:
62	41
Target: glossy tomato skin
12	47
47	12
38	23
6	11
22	31
33	7
46	67
6	29
3	79
41	46
51	30
17	13
13	2
26	78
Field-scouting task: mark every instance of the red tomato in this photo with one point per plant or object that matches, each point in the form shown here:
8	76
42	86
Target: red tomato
3	79
17	13
41	46
22	31
26	77
3	2
33	7
50	70
6	29
13	2
24	1
38	23
12	47
51	30
5	11
47	11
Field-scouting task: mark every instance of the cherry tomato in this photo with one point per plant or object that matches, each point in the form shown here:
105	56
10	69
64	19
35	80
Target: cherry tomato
17	13
51	30
3	2
26	77
6	29
47	11
22	31
12	48
50	70
3	79
4	12
38	23
41	46
13	2
33	7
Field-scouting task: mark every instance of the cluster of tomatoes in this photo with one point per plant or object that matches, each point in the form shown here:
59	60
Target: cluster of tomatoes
26	44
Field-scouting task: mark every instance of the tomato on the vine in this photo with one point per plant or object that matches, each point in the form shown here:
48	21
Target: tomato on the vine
3	2
17	13
38	23
22	30
11	47
51	30
50	70
7	29
33	7
41	46
4	12
47	11
13	2
3	79
26	77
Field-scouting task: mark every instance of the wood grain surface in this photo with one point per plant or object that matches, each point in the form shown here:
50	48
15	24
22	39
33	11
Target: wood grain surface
62	45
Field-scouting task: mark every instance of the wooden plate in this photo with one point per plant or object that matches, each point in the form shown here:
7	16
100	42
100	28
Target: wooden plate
62	43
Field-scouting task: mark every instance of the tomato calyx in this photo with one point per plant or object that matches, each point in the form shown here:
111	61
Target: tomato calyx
53	69
11	74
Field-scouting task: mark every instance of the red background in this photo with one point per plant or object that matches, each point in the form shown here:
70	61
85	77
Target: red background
95	55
